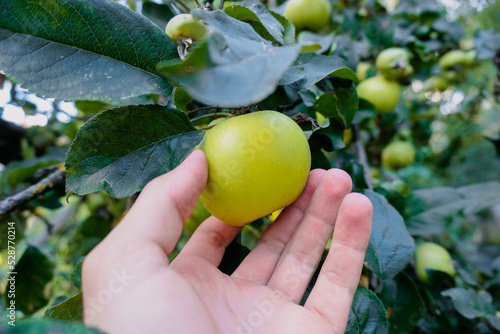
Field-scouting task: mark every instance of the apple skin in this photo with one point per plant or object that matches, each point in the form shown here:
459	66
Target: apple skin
362	70
394	64
257	164
186	26
381	93
456	57
311	15
432	256
398	154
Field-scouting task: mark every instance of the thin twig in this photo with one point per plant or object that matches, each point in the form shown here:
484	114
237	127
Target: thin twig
183	5
197	3
362	159
18	200
222	114
191	112
221	5
174	8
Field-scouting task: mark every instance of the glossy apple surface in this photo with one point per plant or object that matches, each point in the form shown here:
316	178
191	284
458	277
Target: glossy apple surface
308	14
398	154
257	163
381	93
429	255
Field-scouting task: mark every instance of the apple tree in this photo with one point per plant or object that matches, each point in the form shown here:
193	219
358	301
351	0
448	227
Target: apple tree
99	97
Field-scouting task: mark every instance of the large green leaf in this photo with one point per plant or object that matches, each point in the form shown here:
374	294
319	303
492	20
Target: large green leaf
69	310
44	326
235	59
341	104
391	246
82	49
257	15
120	150
472	304
407	307
367	314
33	272
311	68
443	202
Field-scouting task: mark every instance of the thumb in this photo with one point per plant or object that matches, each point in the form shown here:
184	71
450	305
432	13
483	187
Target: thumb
165	203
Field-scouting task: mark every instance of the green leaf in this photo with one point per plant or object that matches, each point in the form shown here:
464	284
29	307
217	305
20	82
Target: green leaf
341	104
33	272
120	150
257	15
391	246
82	50
181	98
311	68
289	33
76	274
486	43
17	172
160	14
70	310
323	42
233	60
329	136
443	202
417	7
407	306
367	314
44	326
472	304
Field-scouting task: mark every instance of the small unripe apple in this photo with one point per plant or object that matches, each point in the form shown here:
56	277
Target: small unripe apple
457	57
381	93
186	26
362	70
311	15
394	64
398	154
429	255
257	164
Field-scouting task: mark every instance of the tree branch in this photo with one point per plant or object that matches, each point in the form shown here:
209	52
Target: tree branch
27	195
361	154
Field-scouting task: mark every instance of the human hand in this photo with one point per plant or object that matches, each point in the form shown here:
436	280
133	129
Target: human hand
129	286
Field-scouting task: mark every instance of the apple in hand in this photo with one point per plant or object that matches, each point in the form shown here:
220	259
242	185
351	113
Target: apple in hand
311	15
257	164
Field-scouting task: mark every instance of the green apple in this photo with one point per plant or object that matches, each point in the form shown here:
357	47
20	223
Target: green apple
381	93
398	154
311	15
184	26
362	70
257	164
457	57
394	64
429	255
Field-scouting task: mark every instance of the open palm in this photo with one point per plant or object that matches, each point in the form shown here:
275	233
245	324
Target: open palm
129	286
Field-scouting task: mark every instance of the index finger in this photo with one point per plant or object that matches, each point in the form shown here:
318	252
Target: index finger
338	279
